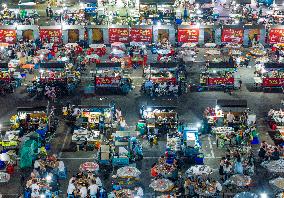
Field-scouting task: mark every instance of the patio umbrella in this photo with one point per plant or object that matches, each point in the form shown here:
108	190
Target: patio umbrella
118	45
89	166
162	185
199	170
276	166
127	172
69	45
246	195
239	180
188	45
278	182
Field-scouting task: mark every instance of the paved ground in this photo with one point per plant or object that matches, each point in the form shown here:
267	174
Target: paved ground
189	106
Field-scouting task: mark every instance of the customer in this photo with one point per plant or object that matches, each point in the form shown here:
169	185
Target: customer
71	188
227	170
262	153
275	155
239	167
93	189
83	192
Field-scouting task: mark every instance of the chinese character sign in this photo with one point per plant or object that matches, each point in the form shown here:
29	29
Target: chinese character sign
107	81
188	35
52	35
118	35
221	81
232	35
140	35
8	36
272	82
276	36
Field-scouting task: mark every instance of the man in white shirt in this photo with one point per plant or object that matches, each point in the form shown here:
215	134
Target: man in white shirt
71	188
230	118
93	189
36	164
99	182
61	166
35	190
83	192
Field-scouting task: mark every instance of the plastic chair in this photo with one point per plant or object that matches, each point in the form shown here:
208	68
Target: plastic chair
48	194
27	194
62	174
2	165
48	147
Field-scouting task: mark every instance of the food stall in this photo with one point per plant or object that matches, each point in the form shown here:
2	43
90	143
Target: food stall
218	75
99	49
90	123
126	148
8	82
138	54
191	144
276	123
232	122
269	75
109	76
29	119
164	118
61	77
163	79
90	117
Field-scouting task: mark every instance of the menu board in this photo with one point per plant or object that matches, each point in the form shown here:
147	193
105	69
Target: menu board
188	35
221	81
8	36
52	35
276	36
140	35
272	82
232	35
118	35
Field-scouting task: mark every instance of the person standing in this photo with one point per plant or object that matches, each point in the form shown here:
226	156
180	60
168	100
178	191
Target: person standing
185	14
47	11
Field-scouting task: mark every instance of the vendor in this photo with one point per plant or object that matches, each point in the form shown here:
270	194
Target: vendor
230	119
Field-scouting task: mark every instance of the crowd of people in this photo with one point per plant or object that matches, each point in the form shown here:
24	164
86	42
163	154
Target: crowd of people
269	152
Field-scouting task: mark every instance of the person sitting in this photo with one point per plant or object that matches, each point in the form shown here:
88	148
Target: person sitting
35	189
98	182
262	153
275	155
239	166
93	189
83	192
61	166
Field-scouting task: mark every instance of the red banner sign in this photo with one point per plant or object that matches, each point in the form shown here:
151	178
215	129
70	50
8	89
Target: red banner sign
188	35
118	35
53	36
232	35
221	81
140	35
8	36
276	36
160	80
107	81
272	82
